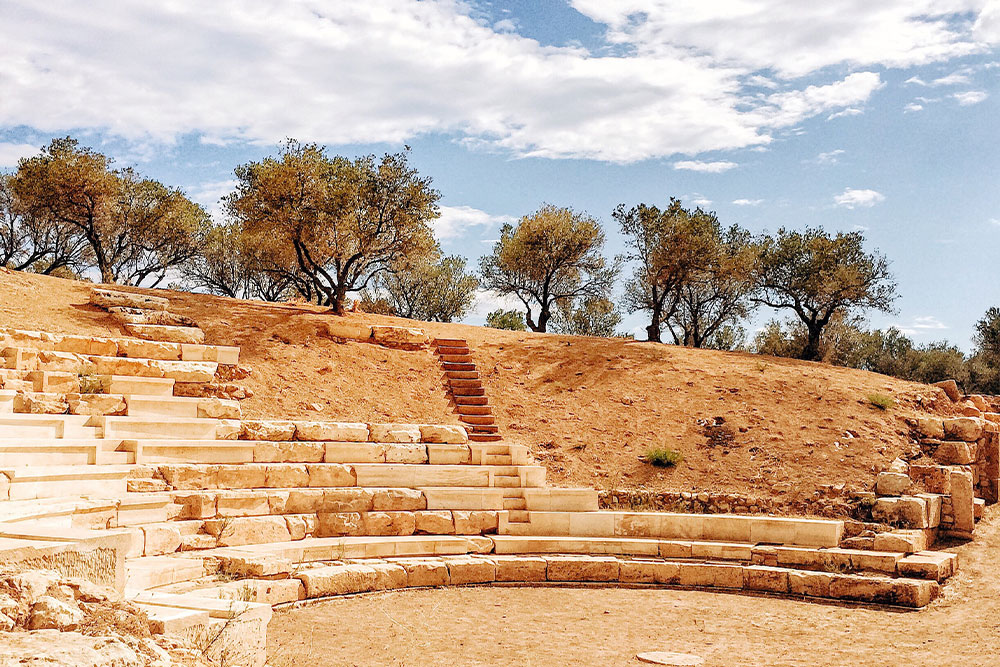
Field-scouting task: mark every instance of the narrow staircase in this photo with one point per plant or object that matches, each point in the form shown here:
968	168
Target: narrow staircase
467	389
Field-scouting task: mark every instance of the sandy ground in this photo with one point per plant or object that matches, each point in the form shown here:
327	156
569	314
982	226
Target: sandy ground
587	407
605	627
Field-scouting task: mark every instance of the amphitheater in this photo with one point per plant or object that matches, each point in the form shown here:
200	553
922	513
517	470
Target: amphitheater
126	461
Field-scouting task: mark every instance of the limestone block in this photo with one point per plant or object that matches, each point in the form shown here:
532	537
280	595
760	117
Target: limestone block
288	452
196	505
963	428
354	452
406	453
330	475
38	403
136	348
296	526
934	565
903	541
861	588
520	568
106	298
348	330
48	613
246	476
711	575
304	501
936	479
331	431
337	580
950	452
442	433
167	332
394	432
892	484
950	388
228	429
398	500
813	584
254	565
104	347
388	523
287	475
277	501
160	539
186	371
65	362
96	404
267	429
434	522
761	578
472	522
219	408
242	503
908	511
404	337
424	571
470	570
649	572
348	500
389	576
444	454
336	524
914	593
125	366
962	501
253	530
581	568
980	402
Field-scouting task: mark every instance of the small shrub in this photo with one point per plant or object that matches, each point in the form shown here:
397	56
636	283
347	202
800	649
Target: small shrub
881	401
663	457
90	383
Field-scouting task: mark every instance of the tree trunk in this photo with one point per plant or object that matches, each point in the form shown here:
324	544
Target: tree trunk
653	332
337	299
812	351
543	320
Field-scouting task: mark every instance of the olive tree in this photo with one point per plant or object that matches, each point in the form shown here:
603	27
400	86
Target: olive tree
551	257
818	276
431	287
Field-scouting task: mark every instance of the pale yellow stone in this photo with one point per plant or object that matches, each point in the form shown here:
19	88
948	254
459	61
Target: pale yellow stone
331	431
581	568
388	523
287	475
160	539
330	475
394	432
435	522
335	524
470	570
267	429
442	433
395	500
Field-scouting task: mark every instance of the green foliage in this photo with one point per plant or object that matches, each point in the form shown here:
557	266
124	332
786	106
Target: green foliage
430	287
819	276
336	224
237	264
90	383
663	457
881	401
511	320
550	257
594	316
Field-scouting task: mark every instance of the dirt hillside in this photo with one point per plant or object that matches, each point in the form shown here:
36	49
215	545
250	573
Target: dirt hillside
587	407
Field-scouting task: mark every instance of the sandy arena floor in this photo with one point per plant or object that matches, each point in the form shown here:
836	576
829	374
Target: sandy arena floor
564	626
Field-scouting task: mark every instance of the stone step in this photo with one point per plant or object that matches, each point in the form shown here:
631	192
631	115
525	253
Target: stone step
450	342
167	333
663	525
560	500
181	371
128	385
453	350
457	366
161	428
62	451
476	410
168	620
514	504
178	406
31	482
485	437
461	375
462	383
518	453
517	516
497	460
194	451
471	400
153	571
471	390
18	426
478	420
455	358
506	481
7	401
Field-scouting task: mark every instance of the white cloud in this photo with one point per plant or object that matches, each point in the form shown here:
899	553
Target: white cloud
995	221
970	97
851	198
921	325
697	199
705	167
457	220
913	107
10	153
829	157
748	202
210	195
794	38
953	79
345	73
987	25
850	111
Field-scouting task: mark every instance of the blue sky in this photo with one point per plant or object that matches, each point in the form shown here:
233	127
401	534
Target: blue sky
846	114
